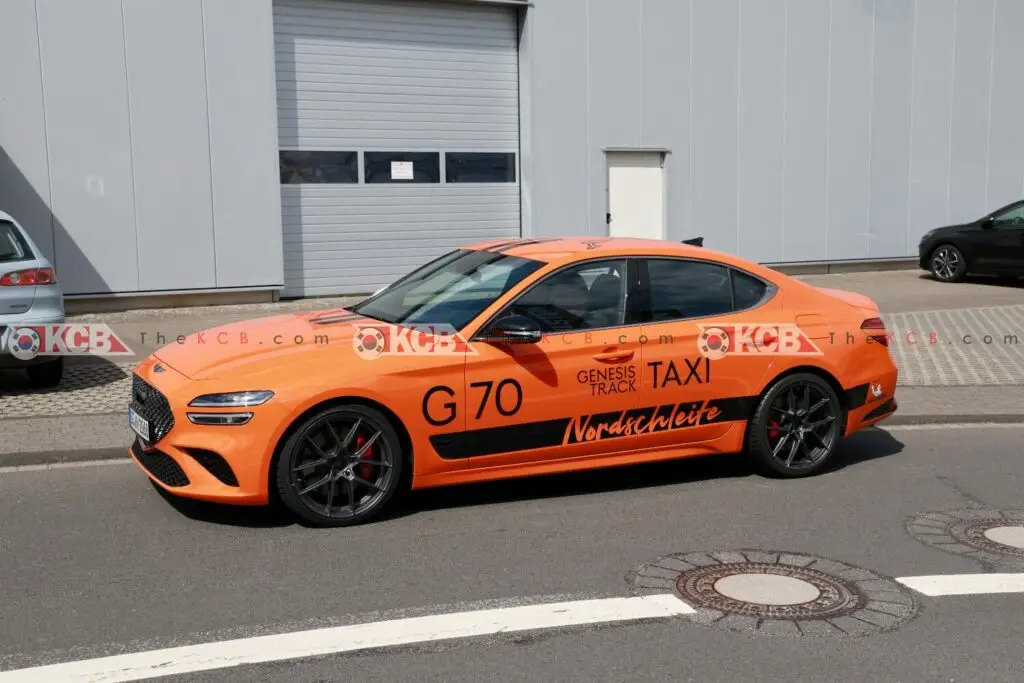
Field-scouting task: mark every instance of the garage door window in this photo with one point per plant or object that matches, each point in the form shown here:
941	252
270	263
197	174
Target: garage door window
402	167
329	167
480	167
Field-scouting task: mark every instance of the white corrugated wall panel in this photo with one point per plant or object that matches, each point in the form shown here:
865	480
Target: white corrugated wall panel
392	76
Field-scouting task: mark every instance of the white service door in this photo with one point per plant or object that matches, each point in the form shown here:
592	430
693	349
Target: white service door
636	194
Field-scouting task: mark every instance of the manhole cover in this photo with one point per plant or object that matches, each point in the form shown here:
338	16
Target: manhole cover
779	592
995	538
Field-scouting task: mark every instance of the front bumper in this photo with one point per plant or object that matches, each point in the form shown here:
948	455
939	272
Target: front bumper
216	463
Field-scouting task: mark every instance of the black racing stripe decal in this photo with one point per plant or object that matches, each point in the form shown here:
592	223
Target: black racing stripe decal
590	428
857	396
495	440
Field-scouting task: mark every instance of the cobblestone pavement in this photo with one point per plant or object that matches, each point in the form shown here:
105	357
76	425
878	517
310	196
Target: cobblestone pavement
959	348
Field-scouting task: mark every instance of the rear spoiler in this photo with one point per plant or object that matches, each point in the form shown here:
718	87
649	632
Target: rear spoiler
695	241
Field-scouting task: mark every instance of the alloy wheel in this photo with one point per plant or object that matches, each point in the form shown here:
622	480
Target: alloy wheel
342	466
802	426
945	263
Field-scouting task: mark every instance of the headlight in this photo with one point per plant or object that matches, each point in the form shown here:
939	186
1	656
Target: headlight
238	399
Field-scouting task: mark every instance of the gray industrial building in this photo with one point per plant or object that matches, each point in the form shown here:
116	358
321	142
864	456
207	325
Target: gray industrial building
318	147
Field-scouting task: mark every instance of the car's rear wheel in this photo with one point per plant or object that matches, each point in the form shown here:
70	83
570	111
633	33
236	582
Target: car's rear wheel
797	427
341	467
948	264
46	375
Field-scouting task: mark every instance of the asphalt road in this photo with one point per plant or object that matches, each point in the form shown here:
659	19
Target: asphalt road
96	563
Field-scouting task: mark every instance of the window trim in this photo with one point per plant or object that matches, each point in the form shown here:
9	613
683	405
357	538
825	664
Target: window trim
631	288
1009	208
771	290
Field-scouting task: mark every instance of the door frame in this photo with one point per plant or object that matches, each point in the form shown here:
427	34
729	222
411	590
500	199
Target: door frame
609	152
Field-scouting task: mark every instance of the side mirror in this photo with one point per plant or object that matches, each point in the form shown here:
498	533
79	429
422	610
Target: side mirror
988	221
514	329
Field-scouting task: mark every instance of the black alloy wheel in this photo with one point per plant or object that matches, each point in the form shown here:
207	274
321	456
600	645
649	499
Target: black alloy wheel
797	427
341	467
948	264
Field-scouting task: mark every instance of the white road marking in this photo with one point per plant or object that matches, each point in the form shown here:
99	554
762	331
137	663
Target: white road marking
965	584
219	655
950	425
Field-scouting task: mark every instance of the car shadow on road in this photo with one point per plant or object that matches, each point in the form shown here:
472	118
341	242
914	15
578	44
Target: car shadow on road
258	517
863	447
92	373
992	280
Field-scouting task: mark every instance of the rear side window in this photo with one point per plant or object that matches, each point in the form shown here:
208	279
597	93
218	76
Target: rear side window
688	289
747	291
13	246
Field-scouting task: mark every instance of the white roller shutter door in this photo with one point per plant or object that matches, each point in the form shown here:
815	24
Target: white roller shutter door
420	80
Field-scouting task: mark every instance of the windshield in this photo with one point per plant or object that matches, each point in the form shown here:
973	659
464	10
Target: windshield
12	244
451	290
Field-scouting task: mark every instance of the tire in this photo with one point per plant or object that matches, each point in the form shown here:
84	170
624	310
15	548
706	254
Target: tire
46	375
770	441
326	448
947	264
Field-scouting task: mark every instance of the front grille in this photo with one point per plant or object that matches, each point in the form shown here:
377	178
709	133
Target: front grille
215	465
161	466
149	403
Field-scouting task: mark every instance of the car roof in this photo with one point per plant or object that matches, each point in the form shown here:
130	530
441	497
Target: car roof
560	250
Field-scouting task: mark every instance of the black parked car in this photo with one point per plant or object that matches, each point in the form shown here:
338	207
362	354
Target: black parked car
992	245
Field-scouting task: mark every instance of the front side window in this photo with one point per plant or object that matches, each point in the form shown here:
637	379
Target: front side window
1011	217
13	246
681	289
449	291
588	296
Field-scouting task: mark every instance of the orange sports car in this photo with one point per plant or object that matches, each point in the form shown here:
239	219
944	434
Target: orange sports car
513	358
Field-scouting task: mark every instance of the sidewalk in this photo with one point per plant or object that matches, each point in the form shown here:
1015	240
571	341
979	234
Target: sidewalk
956	346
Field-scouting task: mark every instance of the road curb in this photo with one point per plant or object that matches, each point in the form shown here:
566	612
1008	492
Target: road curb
938	419
120	452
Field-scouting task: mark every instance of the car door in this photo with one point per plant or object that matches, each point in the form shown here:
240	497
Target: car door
687	303
1004	239
560	398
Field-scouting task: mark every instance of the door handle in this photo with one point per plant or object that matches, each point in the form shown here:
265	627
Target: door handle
613	356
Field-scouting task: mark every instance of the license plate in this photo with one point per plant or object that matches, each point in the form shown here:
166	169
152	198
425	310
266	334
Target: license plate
139	424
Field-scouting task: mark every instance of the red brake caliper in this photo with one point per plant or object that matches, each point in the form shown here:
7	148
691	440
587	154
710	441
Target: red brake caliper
773	429
364	471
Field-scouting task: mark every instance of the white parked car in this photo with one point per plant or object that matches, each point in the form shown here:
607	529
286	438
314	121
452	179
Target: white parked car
29	295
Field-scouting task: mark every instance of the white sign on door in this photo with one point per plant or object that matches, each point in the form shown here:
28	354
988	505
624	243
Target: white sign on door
401	170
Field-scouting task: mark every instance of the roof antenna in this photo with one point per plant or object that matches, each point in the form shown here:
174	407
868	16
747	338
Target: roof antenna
695	241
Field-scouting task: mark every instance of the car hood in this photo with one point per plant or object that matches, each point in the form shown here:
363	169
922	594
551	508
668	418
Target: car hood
247	347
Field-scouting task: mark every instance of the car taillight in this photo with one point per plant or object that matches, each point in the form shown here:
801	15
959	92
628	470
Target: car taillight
876	325
29	278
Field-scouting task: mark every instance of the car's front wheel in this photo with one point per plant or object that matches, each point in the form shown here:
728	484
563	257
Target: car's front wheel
797	427
341	467
948	264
